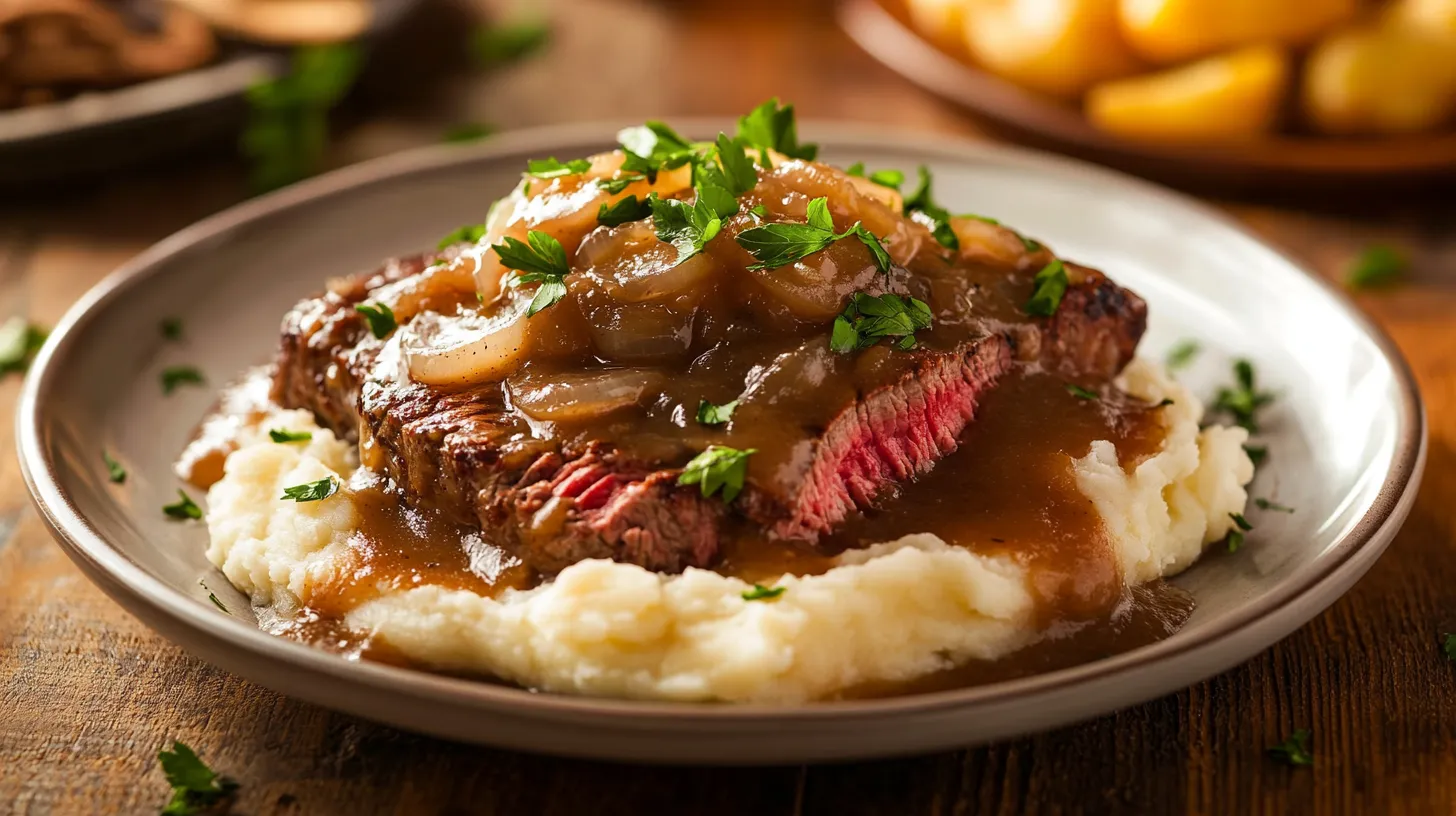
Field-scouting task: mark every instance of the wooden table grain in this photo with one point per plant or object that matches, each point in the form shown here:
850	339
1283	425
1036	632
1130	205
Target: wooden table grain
88	695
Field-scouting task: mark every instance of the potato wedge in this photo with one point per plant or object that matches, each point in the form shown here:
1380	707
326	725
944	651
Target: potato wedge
1386	79
1228	98
1059	47
1169	31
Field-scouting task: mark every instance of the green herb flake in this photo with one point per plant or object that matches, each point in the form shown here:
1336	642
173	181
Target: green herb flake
467	132
1164	403
867	319
1377	266
1081	393
114	470
1241	522
857	170
212	596
1051	285
771	127
19	341
1243	401
195	788
888	178
380	318
1235	540
1182	354
174	376
311	491
739	175
1294	750
622	211
710	414
779	244
984	219
1265	504
540	259
937	218
689	227
171	328
1031	244
1448	646
759	210
288	122
718	469
184	509
283	435
1257	453
657	143
508	42
763	593
550	168
468	234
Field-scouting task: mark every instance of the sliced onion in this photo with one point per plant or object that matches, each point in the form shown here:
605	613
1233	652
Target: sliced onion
631	265
468	348
991	243
576	396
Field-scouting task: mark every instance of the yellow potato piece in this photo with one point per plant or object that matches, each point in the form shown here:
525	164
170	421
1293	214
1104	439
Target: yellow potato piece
1228	98
940	20
1388	79
1168	31
1059	47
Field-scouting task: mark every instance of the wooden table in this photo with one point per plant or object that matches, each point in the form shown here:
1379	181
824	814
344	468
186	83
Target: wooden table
87	695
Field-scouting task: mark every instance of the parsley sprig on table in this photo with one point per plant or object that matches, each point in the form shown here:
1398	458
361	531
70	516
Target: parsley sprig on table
718	469
778	244
540	259
1379	265
175	376
19	341
868	319
1294	750
195	787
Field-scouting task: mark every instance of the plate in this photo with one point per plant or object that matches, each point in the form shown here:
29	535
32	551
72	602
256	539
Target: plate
1283	163
1347	440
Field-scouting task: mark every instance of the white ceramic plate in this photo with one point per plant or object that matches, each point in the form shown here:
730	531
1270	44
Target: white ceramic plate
1347	440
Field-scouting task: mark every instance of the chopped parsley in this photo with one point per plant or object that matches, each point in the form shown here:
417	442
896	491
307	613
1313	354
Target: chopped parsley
1377	266
1163	403
1448	646
311	491
1241	522
540	259
550	168
657	144
718	468
733	171
184	509
867	319
759	210
763	593
1051	285
1295	749
622	211
1243	401
212	596
779	244
288	121
467	132
19	341
1257	453
634	168
938	217
771	127
1265	504
114	470
508	42
1236	536
1081	393
173	376
710	414
1031	244
283	435
885	178
1182	353
196	788
380	318
171	328
689	227
468	234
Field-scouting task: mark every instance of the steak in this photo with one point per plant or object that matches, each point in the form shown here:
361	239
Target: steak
467	454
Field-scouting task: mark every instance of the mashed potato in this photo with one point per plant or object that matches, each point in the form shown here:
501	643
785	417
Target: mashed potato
891	612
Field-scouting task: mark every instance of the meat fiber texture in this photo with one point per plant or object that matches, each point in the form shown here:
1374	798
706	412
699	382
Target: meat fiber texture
887	613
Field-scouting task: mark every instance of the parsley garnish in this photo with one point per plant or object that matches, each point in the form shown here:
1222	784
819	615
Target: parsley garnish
380	317
1181	354
212	596
630	208
550	168
493	45
718	468
185	508
1295	749
468	234
173	376
690	227
1241	522
1257	453
1236	536
541	261
867	319
113	468
171	328
657	143
770	127
939	218
311	491
1448	646
778	244
1243	401
1265	504
467	132
885	178
710	414
759	210
282	435
1031	244
763	593
19	341
1081	393
195	788
1051	284
288	124
738	175
1377	266
1163	403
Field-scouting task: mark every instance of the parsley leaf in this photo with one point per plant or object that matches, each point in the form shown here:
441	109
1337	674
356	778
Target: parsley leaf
624	210
710	414
380	317
173	376
689	227
288	122
763	593
738	175
1236	536
550	168
1265	504
282	435
1257	453
467	132
856	169
659	143
1031	244
19	341
1081	393
1295	749
1243	401
1181	354
867	319
771	127
1377	266
185	508
1235	540
212	596
311	491
885	178
195	788
779	244
938	217
494	45
1241	522
171	328
718	468
541	261
468	234
1448	646
1051	285
114	469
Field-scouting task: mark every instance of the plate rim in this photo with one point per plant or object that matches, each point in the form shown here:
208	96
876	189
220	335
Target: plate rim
133	587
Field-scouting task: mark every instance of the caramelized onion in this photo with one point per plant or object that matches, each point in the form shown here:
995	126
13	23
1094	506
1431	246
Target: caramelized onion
468	348
631	265
575	396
